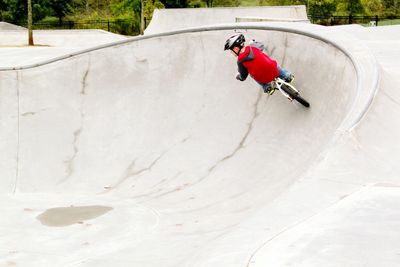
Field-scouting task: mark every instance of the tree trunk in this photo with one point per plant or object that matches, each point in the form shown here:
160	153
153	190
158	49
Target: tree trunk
141	16
30	31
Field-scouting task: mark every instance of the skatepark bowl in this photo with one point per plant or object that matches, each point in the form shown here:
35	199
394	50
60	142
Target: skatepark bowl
147	152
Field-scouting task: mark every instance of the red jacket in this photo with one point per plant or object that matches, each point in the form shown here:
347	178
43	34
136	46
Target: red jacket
261	67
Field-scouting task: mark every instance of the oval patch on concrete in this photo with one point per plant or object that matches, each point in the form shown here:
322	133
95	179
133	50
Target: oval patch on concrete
65	216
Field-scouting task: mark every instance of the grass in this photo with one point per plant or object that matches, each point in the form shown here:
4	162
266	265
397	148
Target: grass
384	22
389	22
249	3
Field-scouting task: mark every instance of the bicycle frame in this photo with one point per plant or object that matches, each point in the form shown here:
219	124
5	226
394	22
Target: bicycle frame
277	84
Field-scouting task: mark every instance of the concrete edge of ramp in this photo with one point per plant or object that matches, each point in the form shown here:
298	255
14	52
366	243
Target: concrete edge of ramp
363	60
5	26
173	19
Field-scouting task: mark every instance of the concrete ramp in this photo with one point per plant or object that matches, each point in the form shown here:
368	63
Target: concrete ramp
149	153
49	44
5	26
173	19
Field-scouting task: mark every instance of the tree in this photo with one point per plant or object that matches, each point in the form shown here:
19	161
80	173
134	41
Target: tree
284	2
373	7
227	3
60	8
324	8
30	31
350	7
125	7
150	6
392	7
17	10
175	3
3	8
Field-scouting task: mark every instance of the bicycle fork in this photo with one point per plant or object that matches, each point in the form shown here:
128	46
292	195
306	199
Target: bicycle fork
279	87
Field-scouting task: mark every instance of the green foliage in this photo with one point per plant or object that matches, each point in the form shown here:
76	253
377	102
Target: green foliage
127	15
125	7
322	7
226	3
392	7
126	25
174	3
16	10
149	8
221	3
195	3
60	8
372	7
349	7
283	2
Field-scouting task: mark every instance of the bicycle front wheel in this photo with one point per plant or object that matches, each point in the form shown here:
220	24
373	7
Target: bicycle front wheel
295	95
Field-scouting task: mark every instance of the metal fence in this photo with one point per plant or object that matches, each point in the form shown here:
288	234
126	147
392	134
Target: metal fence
121	26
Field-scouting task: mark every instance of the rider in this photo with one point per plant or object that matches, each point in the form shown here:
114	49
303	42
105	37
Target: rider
251	60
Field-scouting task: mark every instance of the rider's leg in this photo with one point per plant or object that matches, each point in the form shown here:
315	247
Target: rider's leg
267	88
285	74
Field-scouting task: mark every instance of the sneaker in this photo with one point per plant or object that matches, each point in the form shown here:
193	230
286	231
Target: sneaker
290	79
269	90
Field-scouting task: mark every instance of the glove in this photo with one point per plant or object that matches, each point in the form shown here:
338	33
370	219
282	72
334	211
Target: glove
238	77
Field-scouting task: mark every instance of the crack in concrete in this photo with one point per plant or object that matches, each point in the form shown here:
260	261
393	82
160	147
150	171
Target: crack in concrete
70	162
242	141
18	134
131	172
153	192
84	84
227	157
28	114
284	51
391	98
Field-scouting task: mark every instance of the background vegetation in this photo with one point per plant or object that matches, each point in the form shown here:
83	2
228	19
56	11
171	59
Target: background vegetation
126	13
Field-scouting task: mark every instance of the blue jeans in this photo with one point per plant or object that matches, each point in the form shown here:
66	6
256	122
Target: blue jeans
284	74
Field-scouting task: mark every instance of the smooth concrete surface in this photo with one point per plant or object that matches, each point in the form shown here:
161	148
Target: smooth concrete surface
14	49
180	18
9	26
266	19
179	164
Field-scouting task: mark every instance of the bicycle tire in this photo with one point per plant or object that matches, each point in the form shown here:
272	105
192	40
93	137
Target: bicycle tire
295	95
301	101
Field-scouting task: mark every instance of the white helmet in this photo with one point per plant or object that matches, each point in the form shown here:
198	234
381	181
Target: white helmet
236	40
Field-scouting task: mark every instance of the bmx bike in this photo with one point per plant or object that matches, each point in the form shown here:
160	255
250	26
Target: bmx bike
288	91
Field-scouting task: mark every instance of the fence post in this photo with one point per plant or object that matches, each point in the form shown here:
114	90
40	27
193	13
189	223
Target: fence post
70	24
108	25
376	20
350	19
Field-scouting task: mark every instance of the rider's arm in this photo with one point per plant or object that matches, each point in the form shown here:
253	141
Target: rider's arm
243	73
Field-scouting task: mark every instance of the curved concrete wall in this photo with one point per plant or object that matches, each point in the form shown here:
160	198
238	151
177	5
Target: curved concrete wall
149	91
158	129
